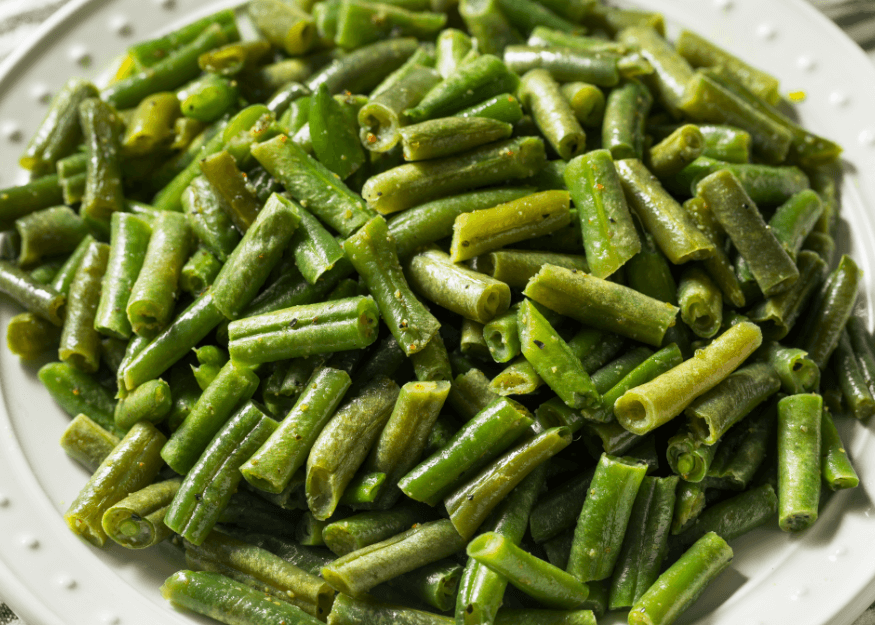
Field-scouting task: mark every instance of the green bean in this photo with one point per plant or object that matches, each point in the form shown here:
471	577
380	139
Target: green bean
231	389
222	598
231	59
689	456
473	82
359	571
707	99
487	23
855	390
445	136
546	583
271	467
432	363
799	441
552	113
725	143
151	126
701	302
360	23
766	185
285	26
797	372
148	53
676	151
470	393
587	101
689	504
372	252
601	304
16	202
229	184
861	342
528	15
609	236
452	46
649	405
686	578
48	232
248	266
413	183
645	543
312	184
209	220
715	411
481	439
518	378
559	509
673	230
777	315
598	535
129	242
511	222
103	190
133	464
360	530
344	442
354	611
435	584
137	521
189	327
503	107
829	312
40	299
59	132
214	476
836	469
334	134
457	288
700	52
626	110
80	342
432	221
199	272
565	64
671	72
87	442
770	264
28	336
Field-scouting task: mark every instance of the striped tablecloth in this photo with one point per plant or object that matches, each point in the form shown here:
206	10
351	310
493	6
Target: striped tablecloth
19	18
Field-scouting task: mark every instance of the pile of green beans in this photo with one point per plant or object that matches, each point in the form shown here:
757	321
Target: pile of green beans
400	314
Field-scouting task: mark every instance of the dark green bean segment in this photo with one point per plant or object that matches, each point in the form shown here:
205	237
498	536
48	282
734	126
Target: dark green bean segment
363	69
503	107
472	503
565	64
208	218
602	524
103	189
830	311
799	440
626	110
455	287
553	359
854	388
129	241
59	132
272	466
609	236
19	201
771	266
432	364
240	203
234	385
150	305
351	611
483	438
682	583
359	571
360	23
797	372
470	393
199	272
546	583
516	267
344	443
312	184
862	344
405	434
835	466
79	393
132	465
80	342
214	476
40	299
137	521
286	26
645	543
713	413
437	138
366	528
672	228
689	456
414	183
602	304
587	101
676	151
372	252
48	232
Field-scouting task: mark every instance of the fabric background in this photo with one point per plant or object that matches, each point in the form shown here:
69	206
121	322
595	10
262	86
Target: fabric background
19	18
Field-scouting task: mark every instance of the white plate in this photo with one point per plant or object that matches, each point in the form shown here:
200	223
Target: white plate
49	577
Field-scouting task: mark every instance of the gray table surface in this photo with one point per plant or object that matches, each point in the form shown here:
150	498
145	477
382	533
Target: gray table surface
19	18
